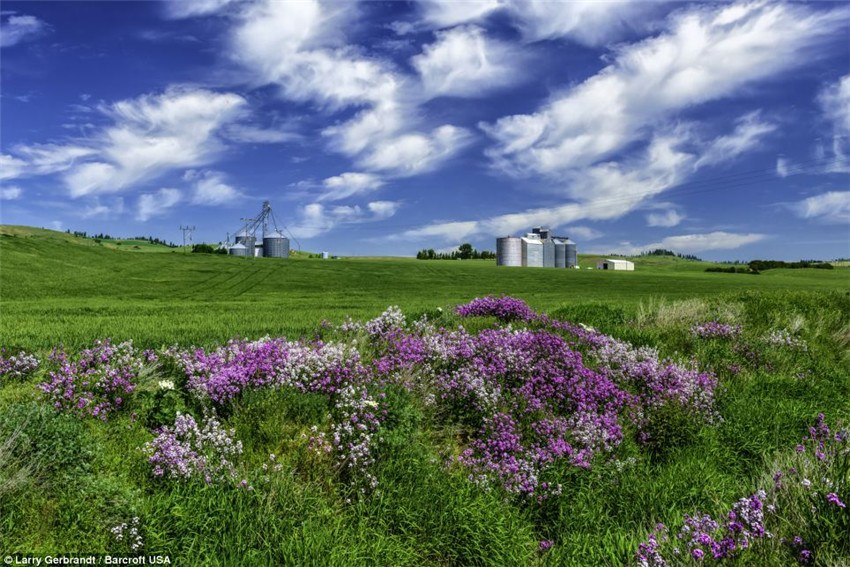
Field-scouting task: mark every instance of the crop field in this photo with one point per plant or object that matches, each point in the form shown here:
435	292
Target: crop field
374	411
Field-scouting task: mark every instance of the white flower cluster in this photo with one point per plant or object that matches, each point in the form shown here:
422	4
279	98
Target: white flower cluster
129	533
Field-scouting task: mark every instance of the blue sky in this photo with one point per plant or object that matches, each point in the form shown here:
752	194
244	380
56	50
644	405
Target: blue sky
721	130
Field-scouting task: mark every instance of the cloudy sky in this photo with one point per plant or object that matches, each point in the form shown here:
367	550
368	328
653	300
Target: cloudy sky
721	130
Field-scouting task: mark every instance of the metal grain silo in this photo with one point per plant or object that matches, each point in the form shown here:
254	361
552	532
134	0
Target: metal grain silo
572	255
509	251
532	251
239	249
560	254
275	245
548	253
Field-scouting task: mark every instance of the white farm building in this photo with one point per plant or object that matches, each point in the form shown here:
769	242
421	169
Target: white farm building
610	264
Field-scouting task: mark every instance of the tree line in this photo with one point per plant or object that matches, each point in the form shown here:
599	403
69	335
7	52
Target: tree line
464	252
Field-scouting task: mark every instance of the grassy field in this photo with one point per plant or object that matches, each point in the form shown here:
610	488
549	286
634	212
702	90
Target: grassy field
69	482
58	288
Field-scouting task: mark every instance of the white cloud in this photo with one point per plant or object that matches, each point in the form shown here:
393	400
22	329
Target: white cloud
188	8
11	167
587	22
832	207
448	13
16	29
300	47
316	218
254	135
157	204
98	209
687	243
581	233
349	184
749	131
706	55
601	192
211	188
10	192
668	218
152	135
782	167
835	101
465	62
415	153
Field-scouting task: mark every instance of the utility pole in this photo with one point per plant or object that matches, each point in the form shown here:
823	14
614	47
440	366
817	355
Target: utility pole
187	230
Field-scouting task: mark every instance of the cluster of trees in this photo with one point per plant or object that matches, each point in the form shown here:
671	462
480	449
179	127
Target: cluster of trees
103	236
207	249
464	252
758	266
762	265
663	252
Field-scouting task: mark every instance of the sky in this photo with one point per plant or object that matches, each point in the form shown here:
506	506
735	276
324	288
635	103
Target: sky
720	130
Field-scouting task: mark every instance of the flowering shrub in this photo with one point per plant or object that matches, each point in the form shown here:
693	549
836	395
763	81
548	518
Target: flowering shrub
715	330
187	451
98	382
18	365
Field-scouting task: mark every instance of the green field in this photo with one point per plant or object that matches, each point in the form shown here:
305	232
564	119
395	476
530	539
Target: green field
56	288
67	481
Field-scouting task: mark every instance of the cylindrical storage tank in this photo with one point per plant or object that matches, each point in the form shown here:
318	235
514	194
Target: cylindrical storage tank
560	254
509	251
275	245
238	249
572	255
548	253
250	242
532	253
242	237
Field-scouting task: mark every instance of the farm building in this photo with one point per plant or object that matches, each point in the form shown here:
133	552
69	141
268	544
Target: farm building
537	249
610	264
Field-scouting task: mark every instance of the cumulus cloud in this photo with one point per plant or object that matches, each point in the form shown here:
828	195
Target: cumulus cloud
465	62
210	188
832	207
10	193
667	218
11	167
708	54
316	218
17	29
349	184
157	204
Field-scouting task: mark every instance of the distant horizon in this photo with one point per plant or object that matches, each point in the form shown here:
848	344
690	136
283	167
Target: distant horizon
646	253
720	130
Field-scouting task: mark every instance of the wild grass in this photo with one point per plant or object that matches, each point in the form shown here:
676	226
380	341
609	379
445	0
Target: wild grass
66	482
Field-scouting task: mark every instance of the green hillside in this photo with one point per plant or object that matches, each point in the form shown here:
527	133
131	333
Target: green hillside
55	287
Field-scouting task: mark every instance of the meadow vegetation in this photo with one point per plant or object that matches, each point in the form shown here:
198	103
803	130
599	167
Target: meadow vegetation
227	411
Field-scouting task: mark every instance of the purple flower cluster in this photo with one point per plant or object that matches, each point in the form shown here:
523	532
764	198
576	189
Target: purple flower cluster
221	375
504	308
97	382
353	435
716	330
186	450
18	365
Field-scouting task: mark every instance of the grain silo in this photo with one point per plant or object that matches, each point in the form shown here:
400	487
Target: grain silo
248	240
548	253
508	251
275	245
532	251
572	253
238	249
560	253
